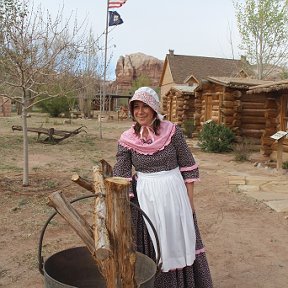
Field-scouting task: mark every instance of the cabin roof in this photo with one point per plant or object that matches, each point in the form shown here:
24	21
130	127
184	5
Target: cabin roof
237	82
269	87
183	66
183	89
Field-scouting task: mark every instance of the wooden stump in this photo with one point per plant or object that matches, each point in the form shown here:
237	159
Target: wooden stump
118	221
110	239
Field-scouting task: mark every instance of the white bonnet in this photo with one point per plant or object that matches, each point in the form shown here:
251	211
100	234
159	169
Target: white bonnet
148	96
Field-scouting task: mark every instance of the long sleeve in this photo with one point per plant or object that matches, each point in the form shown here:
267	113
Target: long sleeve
186	161
123	166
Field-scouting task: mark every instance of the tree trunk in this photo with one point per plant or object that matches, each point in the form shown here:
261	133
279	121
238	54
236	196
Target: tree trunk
25	145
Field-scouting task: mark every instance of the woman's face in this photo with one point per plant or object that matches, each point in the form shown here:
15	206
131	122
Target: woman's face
143	113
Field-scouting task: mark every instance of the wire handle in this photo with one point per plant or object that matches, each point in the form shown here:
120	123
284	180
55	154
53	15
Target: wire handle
40	257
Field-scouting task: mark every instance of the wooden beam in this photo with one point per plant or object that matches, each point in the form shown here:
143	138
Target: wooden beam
102	242
88	185
280	153
76	221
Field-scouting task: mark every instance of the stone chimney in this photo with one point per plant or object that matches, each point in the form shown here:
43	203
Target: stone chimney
171	52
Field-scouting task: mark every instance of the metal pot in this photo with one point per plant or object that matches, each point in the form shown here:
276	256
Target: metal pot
75	267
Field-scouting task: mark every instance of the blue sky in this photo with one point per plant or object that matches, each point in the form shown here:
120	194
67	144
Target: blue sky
199	28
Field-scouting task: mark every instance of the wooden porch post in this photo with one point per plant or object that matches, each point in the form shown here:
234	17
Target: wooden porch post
280	153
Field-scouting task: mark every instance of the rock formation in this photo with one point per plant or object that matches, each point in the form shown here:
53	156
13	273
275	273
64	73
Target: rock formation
130	67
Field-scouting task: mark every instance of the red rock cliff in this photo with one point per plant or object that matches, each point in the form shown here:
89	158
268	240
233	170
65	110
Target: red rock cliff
130	67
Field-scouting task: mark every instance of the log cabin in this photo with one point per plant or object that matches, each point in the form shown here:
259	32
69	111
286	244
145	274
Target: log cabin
179	104
183	70
275	106
225	101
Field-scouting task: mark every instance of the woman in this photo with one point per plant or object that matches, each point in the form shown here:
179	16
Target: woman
163	187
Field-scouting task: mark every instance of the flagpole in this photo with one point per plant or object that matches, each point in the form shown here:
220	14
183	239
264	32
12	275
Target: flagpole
102	98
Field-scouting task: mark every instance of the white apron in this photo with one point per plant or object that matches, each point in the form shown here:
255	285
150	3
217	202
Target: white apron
163	197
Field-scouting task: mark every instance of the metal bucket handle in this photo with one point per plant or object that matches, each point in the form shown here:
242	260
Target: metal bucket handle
40	257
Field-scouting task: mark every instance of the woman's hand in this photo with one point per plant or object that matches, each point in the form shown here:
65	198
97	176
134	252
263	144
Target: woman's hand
190	191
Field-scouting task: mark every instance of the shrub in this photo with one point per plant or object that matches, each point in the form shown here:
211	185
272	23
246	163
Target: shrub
243	150
55	106
189	127
285	165
216	138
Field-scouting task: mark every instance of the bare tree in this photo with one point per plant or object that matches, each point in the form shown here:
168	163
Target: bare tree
90	78
38	58
263	29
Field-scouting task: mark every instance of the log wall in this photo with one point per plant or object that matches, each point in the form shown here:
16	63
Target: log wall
198	111
178	106
256	116
245	114
274	115
220	104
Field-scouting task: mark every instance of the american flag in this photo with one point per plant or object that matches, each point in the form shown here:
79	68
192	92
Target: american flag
116	3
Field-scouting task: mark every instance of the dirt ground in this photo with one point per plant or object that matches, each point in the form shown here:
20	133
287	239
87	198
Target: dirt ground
246	242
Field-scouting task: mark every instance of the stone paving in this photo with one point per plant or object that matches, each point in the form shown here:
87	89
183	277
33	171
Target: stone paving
258	181
272	190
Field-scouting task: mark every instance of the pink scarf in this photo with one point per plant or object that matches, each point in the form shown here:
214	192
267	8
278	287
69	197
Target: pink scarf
157	142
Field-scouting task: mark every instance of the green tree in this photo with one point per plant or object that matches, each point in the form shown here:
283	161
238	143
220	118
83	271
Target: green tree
263	30
141	81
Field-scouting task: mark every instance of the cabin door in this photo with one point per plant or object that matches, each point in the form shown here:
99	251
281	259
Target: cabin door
284	112
208	107
169	106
